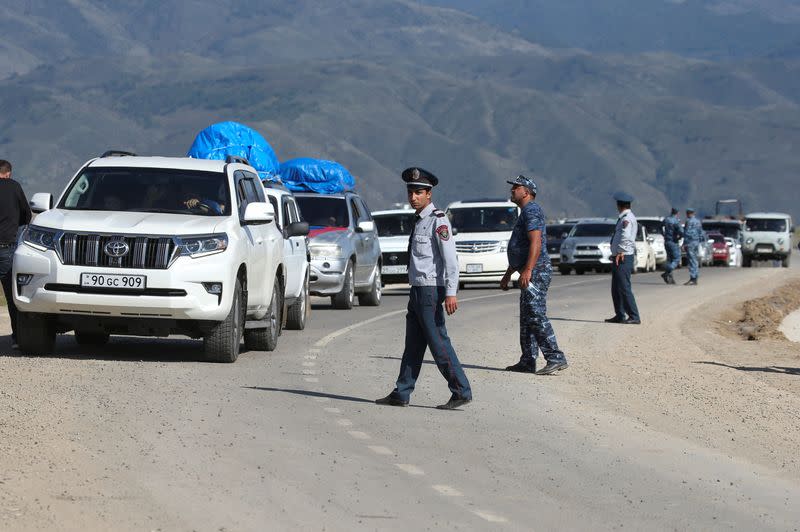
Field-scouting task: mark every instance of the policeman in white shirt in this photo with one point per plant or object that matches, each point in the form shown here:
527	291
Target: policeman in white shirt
623	261
433	276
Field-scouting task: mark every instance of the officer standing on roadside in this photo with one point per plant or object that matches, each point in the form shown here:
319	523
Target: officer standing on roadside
526	256
623	247
673	232
433	276
693	234
14	212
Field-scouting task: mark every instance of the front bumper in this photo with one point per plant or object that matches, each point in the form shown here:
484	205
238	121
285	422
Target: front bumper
569	258
176	293
327	276
482	267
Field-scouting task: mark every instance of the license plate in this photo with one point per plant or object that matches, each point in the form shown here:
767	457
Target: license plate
474	268
587	253
394	269
764	249
114	280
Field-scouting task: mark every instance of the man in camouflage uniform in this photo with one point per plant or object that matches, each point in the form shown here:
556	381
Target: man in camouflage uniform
692	235
526	255
673	232
433	276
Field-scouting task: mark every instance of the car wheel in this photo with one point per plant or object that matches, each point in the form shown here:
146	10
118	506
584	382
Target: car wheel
36	333
344	299
579	271
297	314
786	261
564	271
266	339
747	262
91	338
373	297
221	343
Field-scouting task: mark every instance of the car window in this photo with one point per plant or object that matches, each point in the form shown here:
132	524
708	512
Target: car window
356	210
776	225
287	213
483	219
592	229
558	231
149	190
274	202
295	212
653	227
324	211
394	224
366	215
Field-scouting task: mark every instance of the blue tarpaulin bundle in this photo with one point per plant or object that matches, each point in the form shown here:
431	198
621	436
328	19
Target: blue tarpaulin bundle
316	175
217	141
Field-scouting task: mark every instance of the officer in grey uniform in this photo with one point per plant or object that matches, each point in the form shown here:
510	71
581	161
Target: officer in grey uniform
527	255
693	234
433	276
673	232
623	247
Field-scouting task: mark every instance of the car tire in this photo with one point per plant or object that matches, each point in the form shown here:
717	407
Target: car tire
747	262
373	297
564	271
221	343
297	314
344	299
36	333
266	339
786	261
579	271
91	338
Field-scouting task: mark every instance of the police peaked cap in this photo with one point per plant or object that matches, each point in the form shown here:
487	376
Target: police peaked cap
623	197
417	177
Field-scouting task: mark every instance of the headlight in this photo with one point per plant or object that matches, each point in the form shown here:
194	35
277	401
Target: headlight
40	238
321	251
504	245
780	241
202	245
749	241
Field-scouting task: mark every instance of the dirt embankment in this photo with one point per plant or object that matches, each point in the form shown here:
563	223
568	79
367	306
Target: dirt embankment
760	318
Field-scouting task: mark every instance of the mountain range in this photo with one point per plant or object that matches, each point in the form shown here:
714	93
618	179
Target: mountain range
473	91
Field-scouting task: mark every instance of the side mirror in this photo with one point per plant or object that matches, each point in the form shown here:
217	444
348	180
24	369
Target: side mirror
365	227
296	229
258	213
41	201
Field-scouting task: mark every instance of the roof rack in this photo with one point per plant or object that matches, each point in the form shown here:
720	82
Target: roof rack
237	159
117	153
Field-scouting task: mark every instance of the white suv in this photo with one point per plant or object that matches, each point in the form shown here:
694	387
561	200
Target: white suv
153	246
482	229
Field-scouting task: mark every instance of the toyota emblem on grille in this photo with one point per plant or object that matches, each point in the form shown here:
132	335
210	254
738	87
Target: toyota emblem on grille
393	258
474	248
117	248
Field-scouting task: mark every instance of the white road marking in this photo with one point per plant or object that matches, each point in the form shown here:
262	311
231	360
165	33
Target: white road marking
310	357
309	372
323	399
309	364
357	434
447	491
380	449
489	516
410	469
335	334
332	410
310	379
313	350
344	422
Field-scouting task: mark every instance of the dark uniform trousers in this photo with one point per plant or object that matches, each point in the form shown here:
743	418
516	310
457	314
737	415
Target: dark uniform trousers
425	328
621	292
6	261
673	256
535	330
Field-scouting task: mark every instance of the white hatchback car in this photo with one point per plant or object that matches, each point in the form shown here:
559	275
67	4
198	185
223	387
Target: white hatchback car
655	230
482	229
394	227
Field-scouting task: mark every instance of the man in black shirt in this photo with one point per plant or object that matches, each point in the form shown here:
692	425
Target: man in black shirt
14	212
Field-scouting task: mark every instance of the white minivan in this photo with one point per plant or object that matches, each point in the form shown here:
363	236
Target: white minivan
767	236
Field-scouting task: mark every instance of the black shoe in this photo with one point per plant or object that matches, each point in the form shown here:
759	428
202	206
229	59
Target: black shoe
665	276
454	403
552	367
391	400
671	279
615	319
690	282
520	367
631	321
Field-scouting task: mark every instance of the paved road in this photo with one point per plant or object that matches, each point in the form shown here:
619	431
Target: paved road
140	436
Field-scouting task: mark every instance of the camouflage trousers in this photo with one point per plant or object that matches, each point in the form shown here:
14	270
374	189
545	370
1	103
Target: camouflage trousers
535	330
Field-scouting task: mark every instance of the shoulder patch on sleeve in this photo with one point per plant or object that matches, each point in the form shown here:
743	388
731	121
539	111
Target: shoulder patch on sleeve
444	232
439	214
625	223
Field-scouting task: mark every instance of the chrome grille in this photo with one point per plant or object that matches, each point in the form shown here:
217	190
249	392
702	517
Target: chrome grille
144	252
587	248
478	246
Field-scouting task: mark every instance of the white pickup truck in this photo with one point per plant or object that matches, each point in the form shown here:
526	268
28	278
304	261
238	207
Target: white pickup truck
153	246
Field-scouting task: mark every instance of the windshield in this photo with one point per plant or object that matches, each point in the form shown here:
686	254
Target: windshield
727	229
394	224
773	225
483	219
149	190
324	211
717	238
606	230
653	227
559	231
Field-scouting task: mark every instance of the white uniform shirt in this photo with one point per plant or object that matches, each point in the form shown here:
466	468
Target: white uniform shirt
624	240
433	260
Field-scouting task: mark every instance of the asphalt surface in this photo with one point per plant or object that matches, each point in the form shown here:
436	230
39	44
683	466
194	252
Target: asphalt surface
142	435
